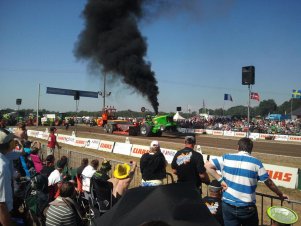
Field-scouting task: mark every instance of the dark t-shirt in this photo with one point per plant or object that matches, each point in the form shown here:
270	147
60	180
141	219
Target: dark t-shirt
215	207
152	166
47	170
188	164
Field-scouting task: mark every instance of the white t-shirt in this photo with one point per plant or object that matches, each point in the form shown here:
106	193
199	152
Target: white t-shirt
54	178
6	194
86	175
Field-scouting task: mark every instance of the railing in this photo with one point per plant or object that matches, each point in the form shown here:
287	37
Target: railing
76	157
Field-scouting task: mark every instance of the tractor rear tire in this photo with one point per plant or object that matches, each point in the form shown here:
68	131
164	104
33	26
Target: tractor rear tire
110	128
145	130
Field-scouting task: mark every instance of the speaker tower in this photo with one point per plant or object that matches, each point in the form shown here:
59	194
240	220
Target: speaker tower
248	75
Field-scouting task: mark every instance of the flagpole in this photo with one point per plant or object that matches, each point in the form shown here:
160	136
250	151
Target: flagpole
291	108
249	111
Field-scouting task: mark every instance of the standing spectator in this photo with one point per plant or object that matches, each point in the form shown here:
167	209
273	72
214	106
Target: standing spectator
55	179
214	200
240	174
188	165
7	144
35	147
79	171
21	131
52	142
122	177
153	166
88	173
62	211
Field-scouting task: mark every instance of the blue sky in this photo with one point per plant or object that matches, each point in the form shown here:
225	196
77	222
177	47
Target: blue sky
196	53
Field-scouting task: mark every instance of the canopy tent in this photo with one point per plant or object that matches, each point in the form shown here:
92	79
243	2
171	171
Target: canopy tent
175	204
177	117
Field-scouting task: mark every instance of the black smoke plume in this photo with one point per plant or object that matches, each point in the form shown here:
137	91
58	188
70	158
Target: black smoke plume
112	41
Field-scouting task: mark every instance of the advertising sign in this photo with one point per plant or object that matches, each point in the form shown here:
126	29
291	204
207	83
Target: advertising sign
138	150
122	148
92	143
106	146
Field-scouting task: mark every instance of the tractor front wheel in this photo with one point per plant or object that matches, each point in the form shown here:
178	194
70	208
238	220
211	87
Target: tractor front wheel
145	130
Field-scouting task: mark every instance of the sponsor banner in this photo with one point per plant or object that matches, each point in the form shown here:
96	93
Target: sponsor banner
139	150
45	136
218	132
240	134
92	143
80	142
122	148
61	138
254	136
229	133
185	130
264	135
199	131
209	131
40	135
168	154
106	146
69	140
32	133
283	176
294	138
281	137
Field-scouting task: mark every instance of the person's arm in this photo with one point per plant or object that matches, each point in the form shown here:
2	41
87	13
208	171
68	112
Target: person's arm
212	171
273	187
4	215
205	178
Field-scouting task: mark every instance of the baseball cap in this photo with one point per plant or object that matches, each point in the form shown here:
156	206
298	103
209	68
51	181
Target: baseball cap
154	143
6	136
190	139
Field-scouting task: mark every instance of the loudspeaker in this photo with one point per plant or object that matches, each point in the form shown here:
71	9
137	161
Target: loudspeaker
76	95
179	109
18	101
248	75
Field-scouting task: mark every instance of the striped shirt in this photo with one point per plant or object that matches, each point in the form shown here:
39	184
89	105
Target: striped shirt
241	172
60	215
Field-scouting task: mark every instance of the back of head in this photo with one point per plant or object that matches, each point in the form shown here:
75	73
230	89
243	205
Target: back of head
49	159
6	139
85	162
95	163
67	189
190	140
245	144
61	164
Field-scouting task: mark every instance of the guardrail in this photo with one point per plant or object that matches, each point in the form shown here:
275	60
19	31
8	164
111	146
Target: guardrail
263	202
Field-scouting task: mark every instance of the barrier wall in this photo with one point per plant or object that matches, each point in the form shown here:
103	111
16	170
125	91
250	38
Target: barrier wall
282	176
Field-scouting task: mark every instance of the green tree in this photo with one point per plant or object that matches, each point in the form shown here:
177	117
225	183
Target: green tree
266	107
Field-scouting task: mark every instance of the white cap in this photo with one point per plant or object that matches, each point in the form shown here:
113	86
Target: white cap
155	143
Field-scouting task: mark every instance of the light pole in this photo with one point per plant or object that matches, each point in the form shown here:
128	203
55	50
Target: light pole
104	94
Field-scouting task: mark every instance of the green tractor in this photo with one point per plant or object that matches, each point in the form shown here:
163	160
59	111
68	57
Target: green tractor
154	126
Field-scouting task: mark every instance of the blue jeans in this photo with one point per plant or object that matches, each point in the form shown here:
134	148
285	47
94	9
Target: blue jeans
240	216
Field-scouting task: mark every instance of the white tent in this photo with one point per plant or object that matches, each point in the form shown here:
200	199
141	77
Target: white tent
177	117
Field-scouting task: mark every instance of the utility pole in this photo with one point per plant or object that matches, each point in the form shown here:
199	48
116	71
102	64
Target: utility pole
38	104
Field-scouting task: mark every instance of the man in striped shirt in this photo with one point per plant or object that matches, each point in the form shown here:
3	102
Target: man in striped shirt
240	173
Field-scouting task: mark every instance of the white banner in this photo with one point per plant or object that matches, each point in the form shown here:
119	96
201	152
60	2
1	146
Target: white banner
122	148
61	138
218	132
106	146
201	131
169	154
32	133
139	150
209	131
92	143
80	142
263	136
295	138
40	135
70	140
45	136
283	176
254	136
185	130
240	134
281	137
229	133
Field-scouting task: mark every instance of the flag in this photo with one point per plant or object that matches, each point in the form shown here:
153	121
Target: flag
254	96
296	94
228	97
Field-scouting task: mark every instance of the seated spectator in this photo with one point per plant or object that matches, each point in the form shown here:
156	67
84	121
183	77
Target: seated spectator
122	177
35	147
63	210
88	173
65	173
79	171
153	166
103	171
49	166
214	200
55	179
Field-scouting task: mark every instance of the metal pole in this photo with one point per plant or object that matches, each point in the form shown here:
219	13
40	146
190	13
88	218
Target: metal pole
248	133
291	108
38	104
104	90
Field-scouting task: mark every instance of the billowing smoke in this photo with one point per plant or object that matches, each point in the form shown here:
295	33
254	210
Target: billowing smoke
112	41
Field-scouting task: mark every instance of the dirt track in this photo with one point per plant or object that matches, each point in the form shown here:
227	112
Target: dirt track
260	146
